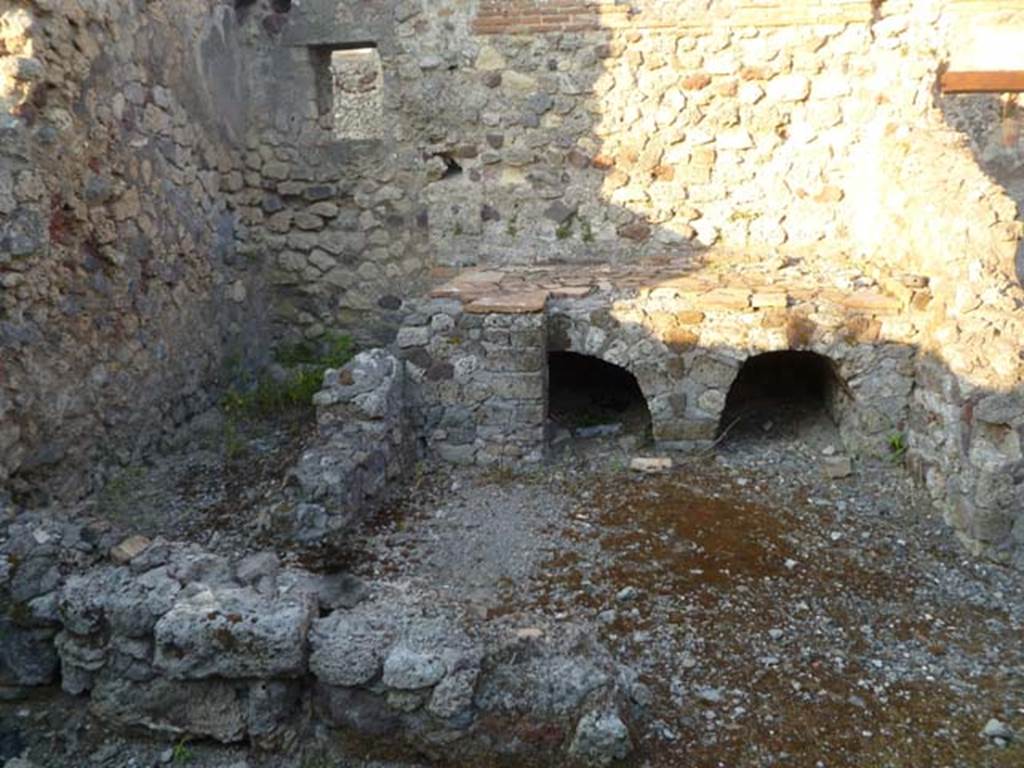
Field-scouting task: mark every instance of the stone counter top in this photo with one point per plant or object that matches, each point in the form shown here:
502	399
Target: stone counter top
775	284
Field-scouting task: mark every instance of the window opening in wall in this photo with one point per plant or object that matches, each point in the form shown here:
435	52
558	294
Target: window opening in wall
783	395
351	90
588	397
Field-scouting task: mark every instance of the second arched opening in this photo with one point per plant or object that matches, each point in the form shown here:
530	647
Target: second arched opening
784	394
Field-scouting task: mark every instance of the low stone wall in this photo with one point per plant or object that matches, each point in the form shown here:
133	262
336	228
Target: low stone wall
362	448
176	641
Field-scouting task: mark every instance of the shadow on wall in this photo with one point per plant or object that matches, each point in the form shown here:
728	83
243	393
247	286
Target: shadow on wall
994	126
123	289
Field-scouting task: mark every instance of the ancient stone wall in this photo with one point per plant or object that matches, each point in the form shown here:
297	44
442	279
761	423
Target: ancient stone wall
169	639
533	132
568	131
123	289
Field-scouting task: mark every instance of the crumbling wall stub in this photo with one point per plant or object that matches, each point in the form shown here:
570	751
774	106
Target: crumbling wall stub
123	279
363	447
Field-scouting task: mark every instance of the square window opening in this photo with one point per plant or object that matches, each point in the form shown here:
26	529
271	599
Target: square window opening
350	90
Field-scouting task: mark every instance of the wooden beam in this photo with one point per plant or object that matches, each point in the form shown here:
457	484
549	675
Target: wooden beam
982	82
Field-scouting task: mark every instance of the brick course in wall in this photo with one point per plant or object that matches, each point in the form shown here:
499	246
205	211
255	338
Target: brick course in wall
523	17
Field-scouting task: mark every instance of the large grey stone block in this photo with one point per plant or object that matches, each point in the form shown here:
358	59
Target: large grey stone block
234	633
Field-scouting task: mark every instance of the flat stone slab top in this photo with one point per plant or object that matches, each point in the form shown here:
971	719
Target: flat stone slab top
730	284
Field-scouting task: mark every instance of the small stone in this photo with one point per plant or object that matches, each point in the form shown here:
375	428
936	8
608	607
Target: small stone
1000	408
413	337
997	731
710	695
734	138
789	88
129	549
341	590
489	58
258	568
626	594
601	739
914	281
750	93
41	536
651	464
695	81
837	467
638	231
769	300
529	633
559	212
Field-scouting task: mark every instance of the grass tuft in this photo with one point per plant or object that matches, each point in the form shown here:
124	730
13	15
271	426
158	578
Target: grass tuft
249	398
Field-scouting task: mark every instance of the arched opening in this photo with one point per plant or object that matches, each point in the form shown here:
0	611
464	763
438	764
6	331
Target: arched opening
783	394
588	397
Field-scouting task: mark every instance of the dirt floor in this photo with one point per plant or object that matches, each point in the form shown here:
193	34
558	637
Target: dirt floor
777	617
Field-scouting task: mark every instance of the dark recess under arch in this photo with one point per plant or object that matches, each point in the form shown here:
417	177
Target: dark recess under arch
587	392
783	385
